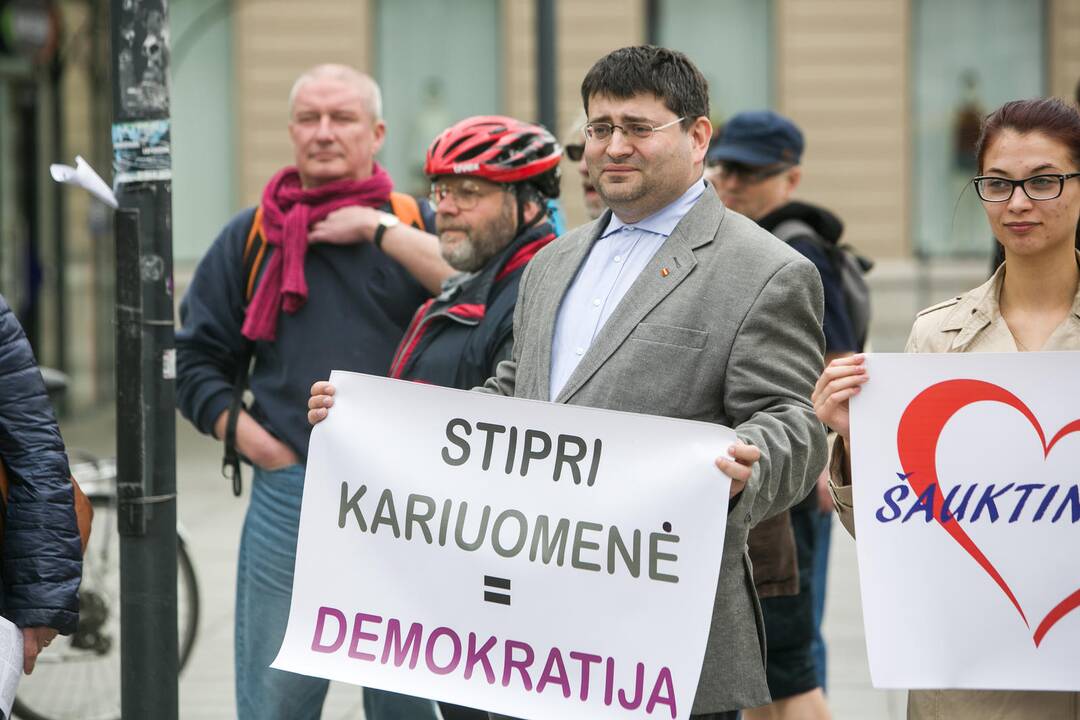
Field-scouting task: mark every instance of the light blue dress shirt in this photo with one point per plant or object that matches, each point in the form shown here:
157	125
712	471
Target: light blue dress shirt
616	259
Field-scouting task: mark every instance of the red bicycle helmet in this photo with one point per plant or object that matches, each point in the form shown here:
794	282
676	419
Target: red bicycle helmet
497	148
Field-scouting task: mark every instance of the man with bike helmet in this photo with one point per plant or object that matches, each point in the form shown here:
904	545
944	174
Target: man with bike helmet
491	178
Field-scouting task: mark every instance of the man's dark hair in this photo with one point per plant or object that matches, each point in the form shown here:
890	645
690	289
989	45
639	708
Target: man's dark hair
667	74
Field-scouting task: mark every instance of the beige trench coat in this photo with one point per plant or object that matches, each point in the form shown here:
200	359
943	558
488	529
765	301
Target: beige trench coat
970	323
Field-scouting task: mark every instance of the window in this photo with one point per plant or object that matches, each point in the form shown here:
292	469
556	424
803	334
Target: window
201	107
965	66
730	42
437	63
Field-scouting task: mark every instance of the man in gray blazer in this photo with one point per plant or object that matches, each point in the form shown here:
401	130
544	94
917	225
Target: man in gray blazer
669	304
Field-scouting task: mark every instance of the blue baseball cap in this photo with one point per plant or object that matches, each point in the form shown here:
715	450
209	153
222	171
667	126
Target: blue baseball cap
759	137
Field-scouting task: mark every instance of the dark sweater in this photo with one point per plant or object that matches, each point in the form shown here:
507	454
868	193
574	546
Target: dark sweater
359	304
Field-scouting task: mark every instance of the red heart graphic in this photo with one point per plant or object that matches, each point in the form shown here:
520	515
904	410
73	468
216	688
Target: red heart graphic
916	441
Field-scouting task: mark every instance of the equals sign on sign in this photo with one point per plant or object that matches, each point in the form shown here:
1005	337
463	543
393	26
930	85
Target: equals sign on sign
492	586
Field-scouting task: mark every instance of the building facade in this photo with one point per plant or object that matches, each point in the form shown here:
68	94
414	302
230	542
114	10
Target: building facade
887	91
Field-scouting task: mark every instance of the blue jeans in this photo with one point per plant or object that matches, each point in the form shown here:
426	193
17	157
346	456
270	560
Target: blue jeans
264	579
386	705
818	583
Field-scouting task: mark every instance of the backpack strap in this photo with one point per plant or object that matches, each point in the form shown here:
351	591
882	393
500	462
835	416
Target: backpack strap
850	268
791	229
254	254
797	229
407	209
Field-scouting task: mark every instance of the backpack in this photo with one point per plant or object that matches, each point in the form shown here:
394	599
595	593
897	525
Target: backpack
256	252
851	267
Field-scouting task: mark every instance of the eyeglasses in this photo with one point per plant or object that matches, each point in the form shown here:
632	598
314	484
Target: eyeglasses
466	195
602	132
1036	187
574	152
749	174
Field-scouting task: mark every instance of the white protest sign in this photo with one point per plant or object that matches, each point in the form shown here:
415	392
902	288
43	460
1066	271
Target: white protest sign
966	473
534	559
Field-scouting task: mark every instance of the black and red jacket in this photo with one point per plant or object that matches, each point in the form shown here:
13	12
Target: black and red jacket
456	339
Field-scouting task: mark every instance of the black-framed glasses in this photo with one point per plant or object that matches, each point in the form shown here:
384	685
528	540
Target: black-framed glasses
602	132
574	152
749	174
465	193
1037	187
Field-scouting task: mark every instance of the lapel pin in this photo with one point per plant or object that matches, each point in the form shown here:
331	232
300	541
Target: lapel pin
664	272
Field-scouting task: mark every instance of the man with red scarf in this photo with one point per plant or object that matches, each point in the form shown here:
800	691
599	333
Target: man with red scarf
322	256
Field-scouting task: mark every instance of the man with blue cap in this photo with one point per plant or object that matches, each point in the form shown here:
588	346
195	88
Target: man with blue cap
754	165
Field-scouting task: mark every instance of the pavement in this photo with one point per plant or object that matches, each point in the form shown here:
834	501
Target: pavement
211	518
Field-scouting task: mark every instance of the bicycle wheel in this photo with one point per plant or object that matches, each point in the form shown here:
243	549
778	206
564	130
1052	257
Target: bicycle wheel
78	678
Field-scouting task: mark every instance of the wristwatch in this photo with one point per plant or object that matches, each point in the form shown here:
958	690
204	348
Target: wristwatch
386	221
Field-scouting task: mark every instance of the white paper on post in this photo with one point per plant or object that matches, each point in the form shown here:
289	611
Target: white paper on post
580	624
84	176
969	565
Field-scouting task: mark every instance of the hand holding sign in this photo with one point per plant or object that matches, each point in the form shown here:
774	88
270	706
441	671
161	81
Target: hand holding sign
320	402
840	382
739	465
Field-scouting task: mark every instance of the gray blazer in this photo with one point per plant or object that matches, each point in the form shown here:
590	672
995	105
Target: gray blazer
730	334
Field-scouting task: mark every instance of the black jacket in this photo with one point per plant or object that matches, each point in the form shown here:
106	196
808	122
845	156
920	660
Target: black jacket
359	302
457	339
837	325
42	552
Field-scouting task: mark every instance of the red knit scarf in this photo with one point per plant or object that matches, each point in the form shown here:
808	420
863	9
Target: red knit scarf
289	211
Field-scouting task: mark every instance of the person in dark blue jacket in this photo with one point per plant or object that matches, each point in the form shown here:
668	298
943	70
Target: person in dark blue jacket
755	168
491	220
42	553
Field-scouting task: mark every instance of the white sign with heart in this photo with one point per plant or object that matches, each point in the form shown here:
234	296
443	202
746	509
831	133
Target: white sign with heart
966	474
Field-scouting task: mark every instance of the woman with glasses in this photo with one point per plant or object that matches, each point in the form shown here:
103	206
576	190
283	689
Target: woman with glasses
1029	183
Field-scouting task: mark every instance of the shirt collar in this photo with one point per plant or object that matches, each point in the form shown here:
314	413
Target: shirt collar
663	221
